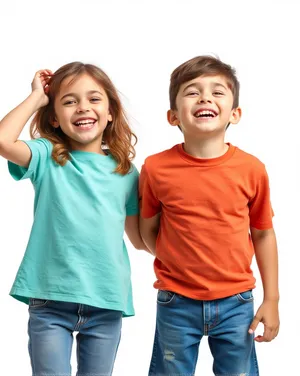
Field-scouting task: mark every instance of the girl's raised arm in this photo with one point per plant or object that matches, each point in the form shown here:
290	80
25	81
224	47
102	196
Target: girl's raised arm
13	123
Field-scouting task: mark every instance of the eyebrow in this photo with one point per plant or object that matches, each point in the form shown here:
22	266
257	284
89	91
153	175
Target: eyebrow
214	84
74	94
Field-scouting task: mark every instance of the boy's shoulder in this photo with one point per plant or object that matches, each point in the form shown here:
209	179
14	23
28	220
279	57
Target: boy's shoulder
240	159
162	156
248	159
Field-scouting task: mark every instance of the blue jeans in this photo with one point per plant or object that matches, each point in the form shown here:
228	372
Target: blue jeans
50	328
182	322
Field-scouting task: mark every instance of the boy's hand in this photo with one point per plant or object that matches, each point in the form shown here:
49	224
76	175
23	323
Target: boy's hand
40	85
267	314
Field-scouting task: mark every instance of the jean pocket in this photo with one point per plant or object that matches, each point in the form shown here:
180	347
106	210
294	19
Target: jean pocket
245	297
165	297
36	303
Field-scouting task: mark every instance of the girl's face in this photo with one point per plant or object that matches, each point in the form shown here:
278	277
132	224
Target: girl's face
82	112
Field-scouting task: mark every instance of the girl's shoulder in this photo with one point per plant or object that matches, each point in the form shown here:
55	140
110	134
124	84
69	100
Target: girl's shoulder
133	169
41	145
133	173
42	141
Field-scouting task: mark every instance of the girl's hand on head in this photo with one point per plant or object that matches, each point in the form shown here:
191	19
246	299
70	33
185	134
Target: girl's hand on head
40	84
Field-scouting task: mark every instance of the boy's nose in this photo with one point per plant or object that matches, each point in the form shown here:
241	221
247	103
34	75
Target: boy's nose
204	98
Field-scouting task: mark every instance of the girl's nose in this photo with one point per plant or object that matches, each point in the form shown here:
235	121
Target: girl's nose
83	107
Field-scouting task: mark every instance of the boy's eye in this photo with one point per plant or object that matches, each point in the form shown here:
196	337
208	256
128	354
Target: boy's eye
218	93
192	93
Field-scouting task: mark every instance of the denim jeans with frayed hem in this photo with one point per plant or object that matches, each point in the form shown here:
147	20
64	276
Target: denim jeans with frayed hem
182	322
50	328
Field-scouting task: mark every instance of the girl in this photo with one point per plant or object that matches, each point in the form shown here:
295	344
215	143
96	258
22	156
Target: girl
75	274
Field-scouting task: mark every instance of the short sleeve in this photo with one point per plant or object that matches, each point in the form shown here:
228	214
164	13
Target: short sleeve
260	209
41	150
149	204
132	203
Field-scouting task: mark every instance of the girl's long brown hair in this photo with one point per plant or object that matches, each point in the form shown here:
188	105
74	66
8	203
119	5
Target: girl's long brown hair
117	136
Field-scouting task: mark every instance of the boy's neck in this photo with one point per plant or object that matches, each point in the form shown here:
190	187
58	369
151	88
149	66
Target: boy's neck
208	148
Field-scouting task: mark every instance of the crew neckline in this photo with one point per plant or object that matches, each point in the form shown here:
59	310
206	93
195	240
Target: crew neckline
83	152
88	155
206	162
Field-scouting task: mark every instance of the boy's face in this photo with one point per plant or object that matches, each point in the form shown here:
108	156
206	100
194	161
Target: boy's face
204	107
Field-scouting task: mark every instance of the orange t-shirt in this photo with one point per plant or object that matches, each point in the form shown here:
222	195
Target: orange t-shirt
204	248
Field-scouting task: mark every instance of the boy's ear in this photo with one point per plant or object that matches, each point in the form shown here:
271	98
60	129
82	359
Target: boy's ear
173	118
235	115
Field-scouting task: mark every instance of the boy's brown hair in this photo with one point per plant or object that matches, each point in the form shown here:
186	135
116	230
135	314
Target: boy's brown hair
203	66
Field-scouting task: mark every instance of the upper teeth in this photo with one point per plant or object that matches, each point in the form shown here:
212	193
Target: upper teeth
206	112
84	122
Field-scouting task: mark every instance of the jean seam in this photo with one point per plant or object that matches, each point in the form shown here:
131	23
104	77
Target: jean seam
243	300
30	347
87	316
255	363
167	302
216	318
195	361
152	370
32	305
78	352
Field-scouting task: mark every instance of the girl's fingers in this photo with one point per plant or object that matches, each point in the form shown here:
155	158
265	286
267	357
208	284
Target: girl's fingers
44	76
44	73
42	79
45	79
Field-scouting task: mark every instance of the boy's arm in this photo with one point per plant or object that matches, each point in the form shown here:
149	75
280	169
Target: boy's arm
265	246
150	211
149	228
133	232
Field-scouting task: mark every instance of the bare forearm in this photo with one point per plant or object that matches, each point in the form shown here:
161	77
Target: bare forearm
267	261
150	241
149	230
13	123
133	232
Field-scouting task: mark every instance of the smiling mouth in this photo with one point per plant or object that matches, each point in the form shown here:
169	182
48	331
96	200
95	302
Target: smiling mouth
85	124
205	114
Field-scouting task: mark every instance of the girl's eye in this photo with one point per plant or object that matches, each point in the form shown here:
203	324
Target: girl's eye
95	99
69	102
218	93
193	93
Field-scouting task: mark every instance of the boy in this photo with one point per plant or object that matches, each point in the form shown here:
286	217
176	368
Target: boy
205	208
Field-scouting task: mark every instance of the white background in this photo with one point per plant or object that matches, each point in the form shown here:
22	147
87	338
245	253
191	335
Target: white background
139	44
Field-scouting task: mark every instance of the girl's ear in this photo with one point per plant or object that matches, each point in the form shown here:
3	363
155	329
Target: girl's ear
109	116
54	122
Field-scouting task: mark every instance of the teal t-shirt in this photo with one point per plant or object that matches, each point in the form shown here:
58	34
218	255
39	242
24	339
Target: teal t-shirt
76	252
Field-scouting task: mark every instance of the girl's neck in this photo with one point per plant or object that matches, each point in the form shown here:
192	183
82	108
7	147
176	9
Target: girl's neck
90	148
